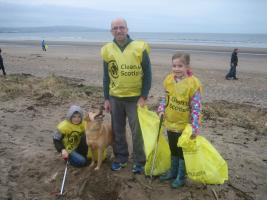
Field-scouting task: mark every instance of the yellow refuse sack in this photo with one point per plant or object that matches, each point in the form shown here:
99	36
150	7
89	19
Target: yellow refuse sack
203	162
149	123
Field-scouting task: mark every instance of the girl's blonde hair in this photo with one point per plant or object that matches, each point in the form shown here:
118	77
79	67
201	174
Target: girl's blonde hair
185	57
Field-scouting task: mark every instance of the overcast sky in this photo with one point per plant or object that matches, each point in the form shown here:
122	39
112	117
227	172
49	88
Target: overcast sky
205	16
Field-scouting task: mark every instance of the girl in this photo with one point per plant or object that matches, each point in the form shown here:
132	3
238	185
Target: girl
180	106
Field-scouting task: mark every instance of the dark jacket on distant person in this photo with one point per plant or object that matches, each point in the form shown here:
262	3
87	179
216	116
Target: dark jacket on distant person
2	65
1	61
234	59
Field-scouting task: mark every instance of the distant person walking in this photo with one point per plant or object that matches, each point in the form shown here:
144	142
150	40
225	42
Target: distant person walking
44	45
2	63
234	61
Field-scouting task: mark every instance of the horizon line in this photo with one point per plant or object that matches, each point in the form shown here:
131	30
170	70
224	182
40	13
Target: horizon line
104	30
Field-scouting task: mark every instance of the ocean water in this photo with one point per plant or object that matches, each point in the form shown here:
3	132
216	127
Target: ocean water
206	39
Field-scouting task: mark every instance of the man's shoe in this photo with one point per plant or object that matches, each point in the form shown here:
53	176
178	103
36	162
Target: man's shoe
138	169
235	78
117	166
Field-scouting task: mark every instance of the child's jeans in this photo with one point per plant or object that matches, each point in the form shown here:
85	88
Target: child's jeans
77	160
78	157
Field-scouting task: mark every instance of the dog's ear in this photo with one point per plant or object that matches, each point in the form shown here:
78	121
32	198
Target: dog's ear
87	117
92	116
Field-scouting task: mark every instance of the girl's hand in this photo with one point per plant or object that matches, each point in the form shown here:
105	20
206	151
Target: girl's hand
194	133
193	136
161	114
64	154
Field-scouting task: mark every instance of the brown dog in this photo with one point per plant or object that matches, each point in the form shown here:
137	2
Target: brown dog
98	136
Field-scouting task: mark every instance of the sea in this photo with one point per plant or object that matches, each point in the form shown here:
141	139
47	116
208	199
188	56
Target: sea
81	35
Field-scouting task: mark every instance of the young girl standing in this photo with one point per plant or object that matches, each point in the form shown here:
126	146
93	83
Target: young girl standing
180	106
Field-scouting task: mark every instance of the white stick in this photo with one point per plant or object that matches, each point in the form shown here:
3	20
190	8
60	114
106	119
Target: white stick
64	178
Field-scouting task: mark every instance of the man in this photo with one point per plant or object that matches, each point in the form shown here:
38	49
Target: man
126	83
233	63
2	63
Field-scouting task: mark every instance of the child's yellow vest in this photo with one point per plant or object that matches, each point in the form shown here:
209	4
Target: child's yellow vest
178	98
72	134
125	70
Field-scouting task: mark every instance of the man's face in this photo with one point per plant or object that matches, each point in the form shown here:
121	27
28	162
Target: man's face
119	30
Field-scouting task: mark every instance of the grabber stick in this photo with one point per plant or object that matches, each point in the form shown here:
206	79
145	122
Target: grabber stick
156	149
64	177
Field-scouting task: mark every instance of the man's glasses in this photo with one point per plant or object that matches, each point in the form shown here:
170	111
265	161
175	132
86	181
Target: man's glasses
115	28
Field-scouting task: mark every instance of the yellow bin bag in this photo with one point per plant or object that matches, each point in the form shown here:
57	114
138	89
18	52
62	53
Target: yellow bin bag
149	123
203	162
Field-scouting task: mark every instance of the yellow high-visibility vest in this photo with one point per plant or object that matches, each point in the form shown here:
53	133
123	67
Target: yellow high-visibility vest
125	70
178	98
72	134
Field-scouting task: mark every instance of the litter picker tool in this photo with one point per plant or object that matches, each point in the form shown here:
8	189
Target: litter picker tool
64	178
156	149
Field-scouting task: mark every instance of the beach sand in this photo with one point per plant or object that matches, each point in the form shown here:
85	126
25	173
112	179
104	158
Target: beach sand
235	121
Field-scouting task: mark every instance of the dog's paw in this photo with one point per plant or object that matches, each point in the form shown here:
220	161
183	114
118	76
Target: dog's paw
92	165
97	168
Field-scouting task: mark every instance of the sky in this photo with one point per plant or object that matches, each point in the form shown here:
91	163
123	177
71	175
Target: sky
190	16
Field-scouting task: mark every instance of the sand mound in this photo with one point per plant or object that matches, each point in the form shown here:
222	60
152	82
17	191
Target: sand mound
31	169
234	114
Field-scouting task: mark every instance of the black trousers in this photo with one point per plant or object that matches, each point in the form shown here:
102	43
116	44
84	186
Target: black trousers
3	69
173	139
232	72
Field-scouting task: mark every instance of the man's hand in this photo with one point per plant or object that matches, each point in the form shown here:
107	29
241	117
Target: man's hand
107	106
141	101
64	154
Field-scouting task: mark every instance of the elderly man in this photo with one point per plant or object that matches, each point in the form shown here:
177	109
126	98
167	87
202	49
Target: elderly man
126	83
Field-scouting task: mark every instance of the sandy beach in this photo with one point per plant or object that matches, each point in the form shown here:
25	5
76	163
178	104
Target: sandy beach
210	64
235	121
